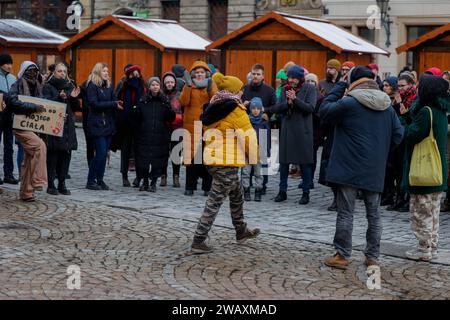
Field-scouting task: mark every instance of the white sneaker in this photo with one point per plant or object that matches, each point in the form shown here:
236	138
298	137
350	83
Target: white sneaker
434	253
419	254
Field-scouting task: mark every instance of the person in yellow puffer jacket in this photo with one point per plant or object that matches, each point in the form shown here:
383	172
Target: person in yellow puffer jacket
224	154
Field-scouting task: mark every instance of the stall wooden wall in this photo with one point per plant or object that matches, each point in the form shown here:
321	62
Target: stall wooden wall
314	61
358	59
117	47
239	62
436	53
21	54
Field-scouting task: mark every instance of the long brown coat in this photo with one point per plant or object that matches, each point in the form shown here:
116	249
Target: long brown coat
193	99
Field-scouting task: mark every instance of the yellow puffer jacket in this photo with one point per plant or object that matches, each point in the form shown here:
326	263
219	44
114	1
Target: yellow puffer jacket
238	148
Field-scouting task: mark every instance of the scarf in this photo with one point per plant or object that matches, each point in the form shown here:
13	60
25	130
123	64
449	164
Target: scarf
225	95
132	93
218	110
408	96
200	83
256	121
33	89
59	84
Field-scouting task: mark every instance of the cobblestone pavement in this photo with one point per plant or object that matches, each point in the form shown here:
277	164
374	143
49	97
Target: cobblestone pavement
135	245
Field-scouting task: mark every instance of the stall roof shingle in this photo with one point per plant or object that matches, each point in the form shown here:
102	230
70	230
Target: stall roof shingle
322	31
18	31
164	34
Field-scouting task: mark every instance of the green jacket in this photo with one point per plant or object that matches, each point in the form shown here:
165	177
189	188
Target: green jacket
417	130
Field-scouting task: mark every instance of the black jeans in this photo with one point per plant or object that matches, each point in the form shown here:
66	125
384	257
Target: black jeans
126	153
175	167
146	174
8	150
195	171
58	162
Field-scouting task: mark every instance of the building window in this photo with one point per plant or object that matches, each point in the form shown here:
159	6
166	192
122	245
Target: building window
218	18
50	14
171	10
8	9
367	34
414	32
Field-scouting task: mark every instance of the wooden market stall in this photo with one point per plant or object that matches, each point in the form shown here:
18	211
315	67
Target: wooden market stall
155	45
430	50
276	38
26	41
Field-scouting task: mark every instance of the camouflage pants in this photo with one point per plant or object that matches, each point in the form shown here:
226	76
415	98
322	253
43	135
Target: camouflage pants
425	209
225	184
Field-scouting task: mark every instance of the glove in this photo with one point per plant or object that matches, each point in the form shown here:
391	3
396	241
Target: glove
187	78
40	109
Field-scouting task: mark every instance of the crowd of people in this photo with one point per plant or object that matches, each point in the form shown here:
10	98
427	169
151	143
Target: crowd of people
367	127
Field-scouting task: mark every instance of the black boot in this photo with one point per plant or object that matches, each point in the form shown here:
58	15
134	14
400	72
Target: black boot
125	182
63	189
263	190
189	193
258	195
282	196
247	196
305	198
152	187
52	189
387	200
136	183
144	186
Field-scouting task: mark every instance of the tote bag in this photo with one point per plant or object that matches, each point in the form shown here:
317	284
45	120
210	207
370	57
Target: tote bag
426	166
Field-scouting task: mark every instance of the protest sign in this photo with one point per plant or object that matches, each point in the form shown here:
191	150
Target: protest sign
50	122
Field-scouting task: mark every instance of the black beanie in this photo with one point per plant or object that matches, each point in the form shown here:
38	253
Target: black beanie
178	70
5	59
360	72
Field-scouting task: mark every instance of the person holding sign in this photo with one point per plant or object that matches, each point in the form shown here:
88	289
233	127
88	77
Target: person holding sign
59	149
34	169
101	122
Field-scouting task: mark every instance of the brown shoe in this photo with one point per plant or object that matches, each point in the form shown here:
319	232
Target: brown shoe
371	262
1	190
246	233
337	261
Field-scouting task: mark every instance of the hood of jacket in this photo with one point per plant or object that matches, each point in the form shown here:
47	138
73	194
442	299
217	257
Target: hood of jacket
217	111
200	64
24	66
369	95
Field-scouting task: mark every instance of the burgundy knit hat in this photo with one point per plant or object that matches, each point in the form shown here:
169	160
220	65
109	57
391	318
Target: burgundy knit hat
132	69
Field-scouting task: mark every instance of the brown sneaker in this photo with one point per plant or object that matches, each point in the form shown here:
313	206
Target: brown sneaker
337	261
246	234
371	262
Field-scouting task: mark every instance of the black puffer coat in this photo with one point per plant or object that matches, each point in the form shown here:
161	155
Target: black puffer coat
51	92
152	138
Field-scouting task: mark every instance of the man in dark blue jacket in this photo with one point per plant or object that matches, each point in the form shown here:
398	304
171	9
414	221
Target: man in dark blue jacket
366	127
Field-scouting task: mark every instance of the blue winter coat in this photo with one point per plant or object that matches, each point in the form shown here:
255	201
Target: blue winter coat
102	114
366	127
